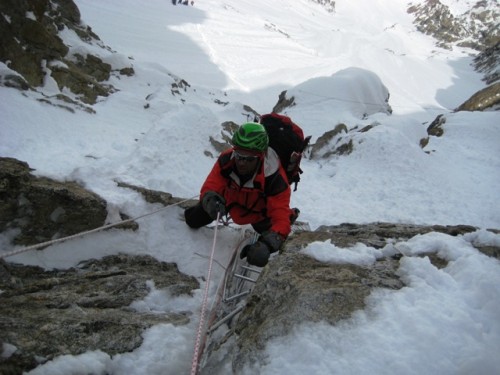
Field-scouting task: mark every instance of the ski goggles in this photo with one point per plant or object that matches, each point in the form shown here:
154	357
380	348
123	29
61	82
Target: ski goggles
247	158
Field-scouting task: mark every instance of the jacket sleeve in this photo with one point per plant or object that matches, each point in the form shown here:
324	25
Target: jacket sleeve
278	204
214	181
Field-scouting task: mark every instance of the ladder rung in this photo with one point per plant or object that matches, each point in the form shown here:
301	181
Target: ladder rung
251	269
242	294
226	318
245	278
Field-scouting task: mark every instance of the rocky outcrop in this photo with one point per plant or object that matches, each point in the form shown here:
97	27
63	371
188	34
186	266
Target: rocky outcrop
156	196
488	63
39	209
487	98
295	288
34	52
477	28
45	314
328	4
436	127
283	102
375	235
228	129
334	142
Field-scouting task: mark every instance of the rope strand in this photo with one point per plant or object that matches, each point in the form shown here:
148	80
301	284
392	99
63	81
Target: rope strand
196	354
81	234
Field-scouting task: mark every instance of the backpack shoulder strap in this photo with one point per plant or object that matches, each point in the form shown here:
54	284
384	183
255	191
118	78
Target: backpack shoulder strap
226	162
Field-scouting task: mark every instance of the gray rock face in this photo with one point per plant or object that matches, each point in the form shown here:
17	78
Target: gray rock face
477	28
295	288
328	4
31	44
488	62
41	209
375	235
487	98
45	314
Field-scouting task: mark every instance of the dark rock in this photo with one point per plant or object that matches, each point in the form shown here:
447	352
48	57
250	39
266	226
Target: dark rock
332	143
129	71
31	43
328	4
179	85
488	62
376	235
477	28
487	98
283	102
14	81
436	126
45	314
155	196
44	209
79	82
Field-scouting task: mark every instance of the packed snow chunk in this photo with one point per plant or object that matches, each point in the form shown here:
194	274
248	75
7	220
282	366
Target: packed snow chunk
356	90
91	362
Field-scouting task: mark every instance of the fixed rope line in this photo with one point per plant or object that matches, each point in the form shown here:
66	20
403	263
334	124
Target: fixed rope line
327	97
206	257
81	234
201	325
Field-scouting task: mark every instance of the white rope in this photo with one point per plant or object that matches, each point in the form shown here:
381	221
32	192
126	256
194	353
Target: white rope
196	354
81	234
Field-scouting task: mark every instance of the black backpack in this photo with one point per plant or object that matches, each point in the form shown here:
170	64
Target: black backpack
287	139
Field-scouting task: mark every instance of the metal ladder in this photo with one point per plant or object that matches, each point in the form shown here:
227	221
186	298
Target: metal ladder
238	283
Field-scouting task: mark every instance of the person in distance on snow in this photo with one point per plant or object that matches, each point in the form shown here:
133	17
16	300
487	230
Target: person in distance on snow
248	182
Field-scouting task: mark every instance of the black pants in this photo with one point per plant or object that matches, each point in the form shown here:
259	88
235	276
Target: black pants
196	217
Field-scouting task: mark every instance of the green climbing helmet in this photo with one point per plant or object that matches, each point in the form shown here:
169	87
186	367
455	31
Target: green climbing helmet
251	136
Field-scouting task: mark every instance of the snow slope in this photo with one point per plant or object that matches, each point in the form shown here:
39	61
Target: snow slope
248	52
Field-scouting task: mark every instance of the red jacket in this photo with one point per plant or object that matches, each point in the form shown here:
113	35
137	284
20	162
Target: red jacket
267	194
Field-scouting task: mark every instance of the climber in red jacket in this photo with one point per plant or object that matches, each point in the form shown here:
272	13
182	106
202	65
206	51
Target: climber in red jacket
249	183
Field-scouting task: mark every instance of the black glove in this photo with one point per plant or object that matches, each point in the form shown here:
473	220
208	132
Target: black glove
213	203
257	254
273	240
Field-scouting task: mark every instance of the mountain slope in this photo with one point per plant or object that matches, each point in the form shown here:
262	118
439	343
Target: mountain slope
198	68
